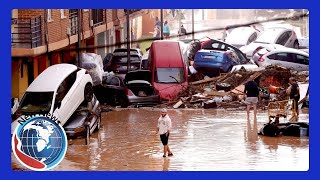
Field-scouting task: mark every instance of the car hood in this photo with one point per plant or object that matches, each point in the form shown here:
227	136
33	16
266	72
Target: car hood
169	91
144	75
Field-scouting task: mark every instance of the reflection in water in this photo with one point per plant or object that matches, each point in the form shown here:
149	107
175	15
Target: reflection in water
200	140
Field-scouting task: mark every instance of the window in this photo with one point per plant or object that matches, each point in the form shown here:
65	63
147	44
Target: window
36	102
282	40
97	16
214	45
169	75
65	86
272	56
49	14
238	55
62	13
286	57
252	38
73	16
302	59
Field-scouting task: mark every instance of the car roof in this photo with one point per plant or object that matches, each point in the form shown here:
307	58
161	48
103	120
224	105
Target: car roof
240	35
51	78
169	59
289	50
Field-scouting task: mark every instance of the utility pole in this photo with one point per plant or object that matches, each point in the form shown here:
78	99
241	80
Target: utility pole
161	26
179	13
192	23
79	36
128	40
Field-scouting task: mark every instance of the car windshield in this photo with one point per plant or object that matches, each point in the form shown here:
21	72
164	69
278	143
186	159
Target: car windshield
36	102
268	36
169	75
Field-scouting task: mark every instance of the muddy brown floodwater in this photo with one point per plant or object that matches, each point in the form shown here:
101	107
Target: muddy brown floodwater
201	140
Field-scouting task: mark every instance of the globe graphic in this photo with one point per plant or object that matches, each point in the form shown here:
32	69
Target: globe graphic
43	140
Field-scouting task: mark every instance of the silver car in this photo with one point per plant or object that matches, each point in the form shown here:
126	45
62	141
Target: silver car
287	57
278	35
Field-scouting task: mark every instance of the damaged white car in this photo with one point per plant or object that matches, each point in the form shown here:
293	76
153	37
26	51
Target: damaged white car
58	90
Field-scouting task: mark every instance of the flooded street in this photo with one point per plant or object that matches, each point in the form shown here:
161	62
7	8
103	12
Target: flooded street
201	140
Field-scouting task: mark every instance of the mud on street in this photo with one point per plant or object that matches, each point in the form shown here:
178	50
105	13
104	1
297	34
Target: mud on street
201	140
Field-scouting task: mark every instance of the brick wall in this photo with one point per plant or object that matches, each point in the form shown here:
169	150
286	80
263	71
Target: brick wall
121	14
32	13
109	15
86	17
57	28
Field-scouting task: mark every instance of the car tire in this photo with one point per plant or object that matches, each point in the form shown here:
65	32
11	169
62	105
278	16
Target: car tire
123	102
88	92
87	135
296	45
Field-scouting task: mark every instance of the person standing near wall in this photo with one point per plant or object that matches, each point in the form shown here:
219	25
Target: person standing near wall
166	30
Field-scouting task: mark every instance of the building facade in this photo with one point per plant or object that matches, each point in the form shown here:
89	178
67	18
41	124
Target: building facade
44	37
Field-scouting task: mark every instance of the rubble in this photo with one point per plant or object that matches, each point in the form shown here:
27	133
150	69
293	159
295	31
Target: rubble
227	90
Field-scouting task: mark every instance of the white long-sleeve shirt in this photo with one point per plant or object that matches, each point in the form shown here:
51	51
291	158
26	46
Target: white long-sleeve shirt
164	124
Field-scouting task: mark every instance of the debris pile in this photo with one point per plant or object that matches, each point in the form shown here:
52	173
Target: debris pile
227	90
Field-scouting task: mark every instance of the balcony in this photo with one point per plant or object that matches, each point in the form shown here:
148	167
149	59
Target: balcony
26	32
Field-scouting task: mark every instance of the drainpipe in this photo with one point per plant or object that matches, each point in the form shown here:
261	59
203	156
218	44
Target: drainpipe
79	36
192	23
161	27
46	37
128	40
105	14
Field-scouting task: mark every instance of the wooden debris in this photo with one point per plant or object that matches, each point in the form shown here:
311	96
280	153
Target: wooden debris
215	93
178	104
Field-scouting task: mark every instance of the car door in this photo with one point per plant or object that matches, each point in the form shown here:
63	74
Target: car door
66	101
302	62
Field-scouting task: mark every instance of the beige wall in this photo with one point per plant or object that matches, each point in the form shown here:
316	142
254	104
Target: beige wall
19	84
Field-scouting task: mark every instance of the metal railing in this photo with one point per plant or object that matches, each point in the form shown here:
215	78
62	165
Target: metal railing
73	16
27	32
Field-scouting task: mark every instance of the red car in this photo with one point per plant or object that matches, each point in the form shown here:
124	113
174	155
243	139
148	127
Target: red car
169	72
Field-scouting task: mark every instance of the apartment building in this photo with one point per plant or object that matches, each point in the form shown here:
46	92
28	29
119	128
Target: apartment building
44	37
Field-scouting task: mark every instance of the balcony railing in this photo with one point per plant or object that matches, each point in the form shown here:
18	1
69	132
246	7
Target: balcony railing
73	16
27	32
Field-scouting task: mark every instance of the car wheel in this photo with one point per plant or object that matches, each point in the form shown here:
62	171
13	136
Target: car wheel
123	101
296	45
88	93
87	135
